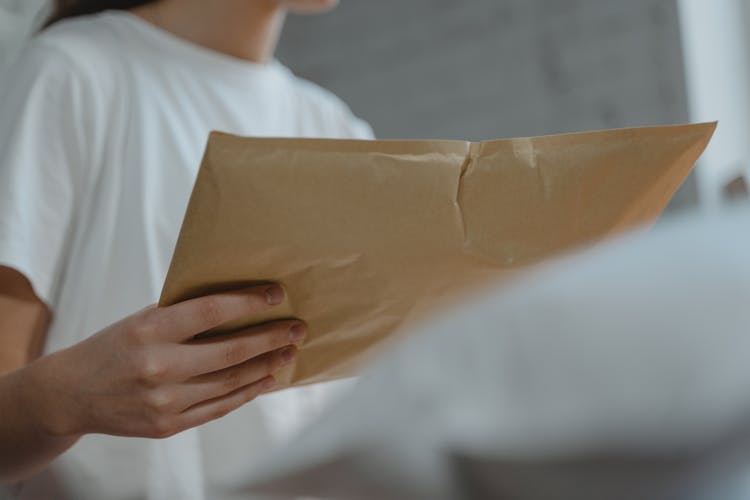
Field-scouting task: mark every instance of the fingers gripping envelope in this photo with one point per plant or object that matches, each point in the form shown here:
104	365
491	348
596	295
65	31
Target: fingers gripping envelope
370	237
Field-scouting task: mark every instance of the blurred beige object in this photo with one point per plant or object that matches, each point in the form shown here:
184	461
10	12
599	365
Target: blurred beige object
371	237
736	189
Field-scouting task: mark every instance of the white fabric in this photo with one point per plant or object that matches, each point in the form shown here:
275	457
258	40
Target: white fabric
620	373
104	121
18	19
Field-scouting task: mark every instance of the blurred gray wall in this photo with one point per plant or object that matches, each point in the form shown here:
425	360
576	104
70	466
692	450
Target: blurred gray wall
493	68
496	68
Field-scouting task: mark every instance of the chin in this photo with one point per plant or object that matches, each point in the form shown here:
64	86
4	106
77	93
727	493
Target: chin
308	6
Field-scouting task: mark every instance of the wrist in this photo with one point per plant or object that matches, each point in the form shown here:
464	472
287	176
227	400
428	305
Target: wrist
43	396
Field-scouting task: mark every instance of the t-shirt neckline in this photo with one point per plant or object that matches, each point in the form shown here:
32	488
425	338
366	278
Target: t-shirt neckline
193	51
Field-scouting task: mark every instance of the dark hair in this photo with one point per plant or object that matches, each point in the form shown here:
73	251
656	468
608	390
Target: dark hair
73	8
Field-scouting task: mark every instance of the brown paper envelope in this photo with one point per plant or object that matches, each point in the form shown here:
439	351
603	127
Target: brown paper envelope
369	237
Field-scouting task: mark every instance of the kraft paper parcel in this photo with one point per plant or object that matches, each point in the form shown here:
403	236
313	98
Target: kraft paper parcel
370	237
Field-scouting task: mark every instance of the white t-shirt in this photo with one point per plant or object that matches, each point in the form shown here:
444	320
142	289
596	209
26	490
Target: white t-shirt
103	121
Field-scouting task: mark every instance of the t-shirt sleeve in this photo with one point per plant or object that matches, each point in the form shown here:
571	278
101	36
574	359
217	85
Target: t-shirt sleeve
42	159
327	115
357	128
349	125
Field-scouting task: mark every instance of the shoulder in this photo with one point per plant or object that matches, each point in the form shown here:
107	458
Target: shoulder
60	89
328	110
67	72
82	49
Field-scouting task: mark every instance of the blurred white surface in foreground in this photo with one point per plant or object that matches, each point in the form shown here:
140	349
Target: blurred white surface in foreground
618	373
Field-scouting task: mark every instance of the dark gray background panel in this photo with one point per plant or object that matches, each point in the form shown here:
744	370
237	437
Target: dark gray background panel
495	68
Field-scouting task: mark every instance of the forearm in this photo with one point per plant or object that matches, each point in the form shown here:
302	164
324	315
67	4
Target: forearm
144	376
28	439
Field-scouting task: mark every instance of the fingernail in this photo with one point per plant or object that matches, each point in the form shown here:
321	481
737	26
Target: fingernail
297	333
288	354
274	295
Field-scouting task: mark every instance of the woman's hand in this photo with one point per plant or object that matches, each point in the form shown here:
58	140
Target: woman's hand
147	376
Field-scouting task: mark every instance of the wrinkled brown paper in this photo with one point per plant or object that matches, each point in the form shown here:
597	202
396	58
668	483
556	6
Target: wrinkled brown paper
368	237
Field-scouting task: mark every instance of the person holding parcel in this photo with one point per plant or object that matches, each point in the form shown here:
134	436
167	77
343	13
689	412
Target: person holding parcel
350	244
104	120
